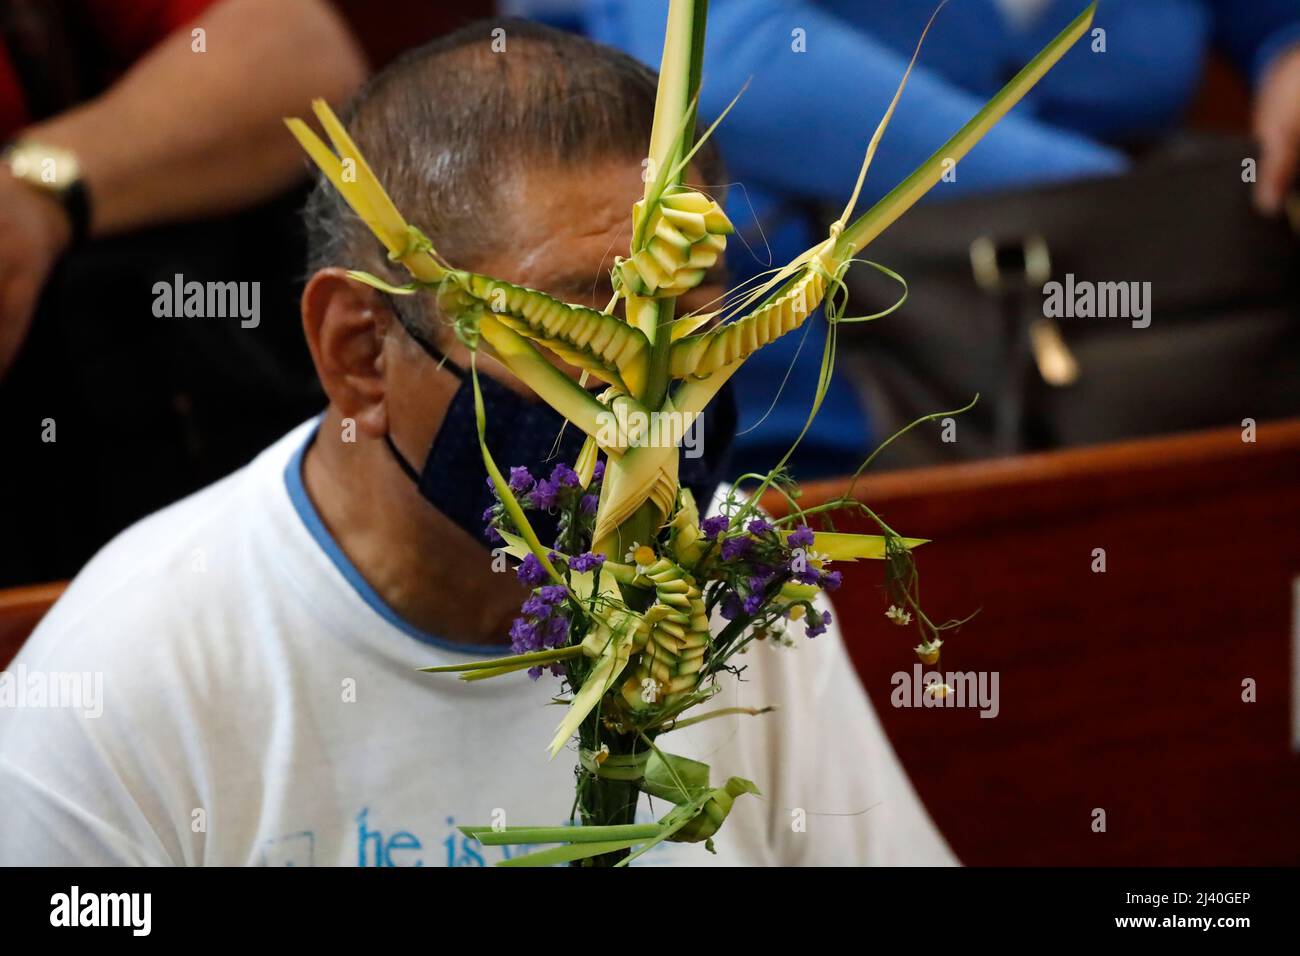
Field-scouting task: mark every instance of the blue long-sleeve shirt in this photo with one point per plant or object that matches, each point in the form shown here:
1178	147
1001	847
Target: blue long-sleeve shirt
799	132
857	50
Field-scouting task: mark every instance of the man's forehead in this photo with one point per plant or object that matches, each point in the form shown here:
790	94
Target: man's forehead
568	223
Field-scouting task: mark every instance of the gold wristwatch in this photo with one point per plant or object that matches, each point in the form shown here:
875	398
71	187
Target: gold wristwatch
55	172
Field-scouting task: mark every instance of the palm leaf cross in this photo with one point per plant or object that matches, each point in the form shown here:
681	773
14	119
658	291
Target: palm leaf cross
651	361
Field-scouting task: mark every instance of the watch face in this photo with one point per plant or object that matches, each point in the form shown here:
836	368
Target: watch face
46	167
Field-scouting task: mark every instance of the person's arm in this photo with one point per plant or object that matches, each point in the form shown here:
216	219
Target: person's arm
181	134
42	827
1263	38
186	134
803	125
73	767
103	758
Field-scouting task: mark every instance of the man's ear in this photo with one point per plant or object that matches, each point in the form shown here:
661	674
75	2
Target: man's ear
345	322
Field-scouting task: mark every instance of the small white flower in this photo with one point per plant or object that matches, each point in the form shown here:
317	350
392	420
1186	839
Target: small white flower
938	691
928	651
643	556
898	615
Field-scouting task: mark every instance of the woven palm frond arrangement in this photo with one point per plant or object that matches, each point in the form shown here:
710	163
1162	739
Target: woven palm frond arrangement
642	602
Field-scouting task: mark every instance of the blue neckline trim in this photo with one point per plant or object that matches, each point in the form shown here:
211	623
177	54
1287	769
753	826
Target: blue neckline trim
310	517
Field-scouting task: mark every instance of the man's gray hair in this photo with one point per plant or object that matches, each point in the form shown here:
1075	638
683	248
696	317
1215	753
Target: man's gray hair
447	124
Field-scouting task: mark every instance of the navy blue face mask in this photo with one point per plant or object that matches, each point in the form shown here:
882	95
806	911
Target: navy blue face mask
522	431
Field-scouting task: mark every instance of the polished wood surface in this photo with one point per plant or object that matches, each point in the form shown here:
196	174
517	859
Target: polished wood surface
1119	691
21	609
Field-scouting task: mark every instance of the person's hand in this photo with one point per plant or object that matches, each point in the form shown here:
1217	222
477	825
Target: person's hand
1277	127
34	231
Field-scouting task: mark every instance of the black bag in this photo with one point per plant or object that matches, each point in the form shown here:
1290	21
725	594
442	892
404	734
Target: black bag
1221	341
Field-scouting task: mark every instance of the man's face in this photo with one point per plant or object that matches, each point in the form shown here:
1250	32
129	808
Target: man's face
563	228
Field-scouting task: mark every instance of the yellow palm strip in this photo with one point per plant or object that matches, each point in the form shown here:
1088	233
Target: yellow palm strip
617	628
842	546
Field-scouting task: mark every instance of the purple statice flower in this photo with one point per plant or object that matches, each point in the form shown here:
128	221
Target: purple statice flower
531	573
586	562
490	532
545	494
712	527
524	636
598	472
557	631
800	537
816	627
809	575
535	607
752	604
588	504
831	580
553	594
563	476
541	625
759	526
557	669
520	479
492	485
731	607
736	548
761	579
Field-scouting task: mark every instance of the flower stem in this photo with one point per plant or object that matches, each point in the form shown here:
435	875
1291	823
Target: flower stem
603	801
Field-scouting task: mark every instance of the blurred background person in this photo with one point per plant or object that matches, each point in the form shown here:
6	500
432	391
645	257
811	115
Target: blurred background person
144	141
830	67
157	123
161	122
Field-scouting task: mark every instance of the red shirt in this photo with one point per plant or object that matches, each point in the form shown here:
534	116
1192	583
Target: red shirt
126	30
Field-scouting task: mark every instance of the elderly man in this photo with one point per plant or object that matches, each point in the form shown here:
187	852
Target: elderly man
258	642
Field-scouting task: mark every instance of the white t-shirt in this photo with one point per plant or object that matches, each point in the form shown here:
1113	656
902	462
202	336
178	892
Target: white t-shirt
261	706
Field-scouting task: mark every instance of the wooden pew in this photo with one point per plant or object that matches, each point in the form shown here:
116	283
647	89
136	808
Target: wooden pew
1120	691
21	609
